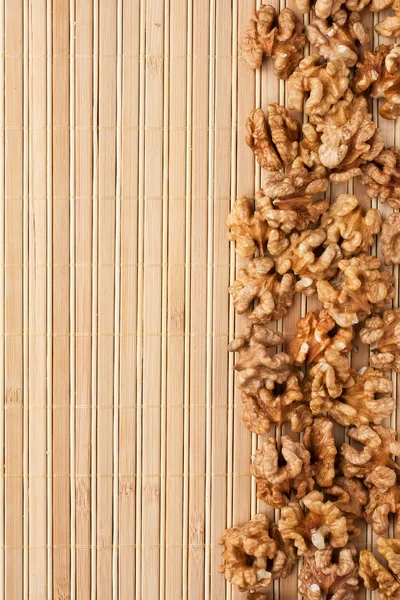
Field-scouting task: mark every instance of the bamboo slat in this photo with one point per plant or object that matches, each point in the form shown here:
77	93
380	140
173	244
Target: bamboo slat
122	149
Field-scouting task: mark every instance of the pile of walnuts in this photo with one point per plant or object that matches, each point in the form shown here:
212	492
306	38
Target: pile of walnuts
296	241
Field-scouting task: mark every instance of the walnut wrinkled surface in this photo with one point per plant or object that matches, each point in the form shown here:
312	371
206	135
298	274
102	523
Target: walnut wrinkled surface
326	84
345	224
358	289
383	333
390	239
321	577
256	368
311	528
349	137
382	177
303	256
287	214
375	463
246	553
386	580
389	27
279	37
247	228
381	504
316	332
257	281
298	182
274	140
368	400
319	441
339	39
350	493
279	471
268	406
330	377
381	70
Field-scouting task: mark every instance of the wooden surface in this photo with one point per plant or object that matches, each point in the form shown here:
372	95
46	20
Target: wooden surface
122	145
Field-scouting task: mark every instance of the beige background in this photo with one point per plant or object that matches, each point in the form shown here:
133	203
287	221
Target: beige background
121	132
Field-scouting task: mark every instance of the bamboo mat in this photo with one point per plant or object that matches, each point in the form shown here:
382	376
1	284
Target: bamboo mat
122	141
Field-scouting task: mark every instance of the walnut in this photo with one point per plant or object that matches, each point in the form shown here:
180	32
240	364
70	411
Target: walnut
349	137
292	213
378	577
346	225
320	577
257	281
380	505
382	176
269	406
323	8
350	493
326	84
298	182
316	332
374	463
281	38
383	333
339	40
319	441
303	257
390	239
389	27
256	368
308	528
278	472
309	148
358	289
273	140
247	228
359	405
246	552
381	70
330	377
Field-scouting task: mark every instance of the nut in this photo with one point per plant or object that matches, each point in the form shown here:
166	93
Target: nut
380	505
383	333
349	137
381	70
363	403
339	40
378	577
374	463
358	289
257	281
346	225
310	527
302	257
256	368
281	38
382	176
246	552
298	182
330	377
315	335
326	84
269	406
390	239
389	27
275	482
273	140
319	441
320	577
247	228
351	495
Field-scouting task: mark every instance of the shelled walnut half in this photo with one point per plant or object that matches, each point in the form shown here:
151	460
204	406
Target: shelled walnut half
288	214
390	26
351	495
377	577
358	289
319	441
323	577
279	471
279	37
331	376
382	177
383	333
339	39
298	182
381	70
274	140
390	239
256	368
